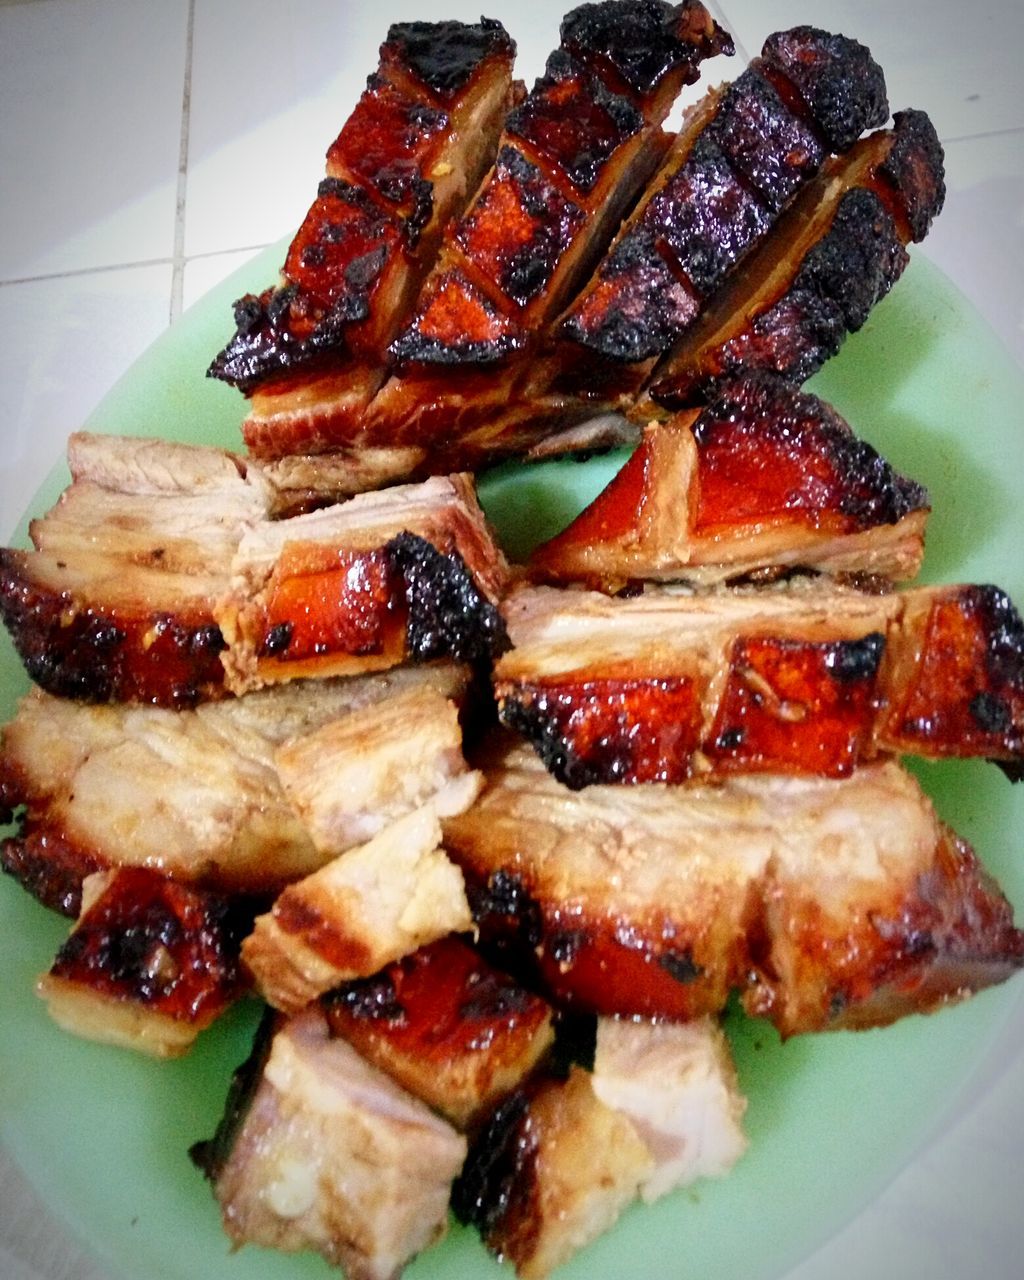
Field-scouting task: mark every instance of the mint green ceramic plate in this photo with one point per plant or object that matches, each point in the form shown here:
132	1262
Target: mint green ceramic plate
104	1134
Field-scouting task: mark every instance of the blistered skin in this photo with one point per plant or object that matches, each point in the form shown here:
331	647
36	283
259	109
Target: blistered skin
173	949
790	314
765	478
48	866
734	168
453	1030
809	682
371	234
825	903
73	649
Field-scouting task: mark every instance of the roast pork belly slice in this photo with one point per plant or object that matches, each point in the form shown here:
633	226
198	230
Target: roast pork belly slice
149	964
806	677
743	154
412	572
552	1171
195	794
362	910
764	478
825	903
412	152
172	574
321	1151
838	252
677	1082
449	1027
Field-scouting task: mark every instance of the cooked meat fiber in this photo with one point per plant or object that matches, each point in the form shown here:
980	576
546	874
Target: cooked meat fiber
765	478
163	575
677	1083
198	794
825	903
740	159
805	678
552	1172
319	1150
363	910
149	963
456	1032
793	303
410	155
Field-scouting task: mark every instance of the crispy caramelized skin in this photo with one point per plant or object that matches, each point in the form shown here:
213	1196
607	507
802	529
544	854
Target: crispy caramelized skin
163	575
794	302
450	1028
149	963
408	157
320	1150
809	679
739	161
201	795
826	903
765	477
366	908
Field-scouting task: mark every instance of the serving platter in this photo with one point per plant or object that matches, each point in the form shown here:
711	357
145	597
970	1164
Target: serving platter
104	1134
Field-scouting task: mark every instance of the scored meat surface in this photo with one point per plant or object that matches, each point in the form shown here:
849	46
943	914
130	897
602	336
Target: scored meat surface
808	678
825	903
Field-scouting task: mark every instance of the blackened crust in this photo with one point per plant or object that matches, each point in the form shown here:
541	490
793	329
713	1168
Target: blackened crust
840	83
444	55
447	614
915	166
484	1190
49	868
642	41
95	656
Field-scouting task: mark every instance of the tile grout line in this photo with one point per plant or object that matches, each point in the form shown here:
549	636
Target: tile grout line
178	258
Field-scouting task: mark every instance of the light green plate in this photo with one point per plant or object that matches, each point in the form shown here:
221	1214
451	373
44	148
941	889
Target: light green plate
104	1134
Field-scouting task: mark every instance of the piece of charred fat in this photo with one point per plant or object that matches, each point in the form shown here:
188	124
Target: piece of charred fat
319	1150
170	574
550	1173
149	964
742	156
198	794
410	155
366	908
764	478
805	677
449	1027
792	304
825	903
677	1082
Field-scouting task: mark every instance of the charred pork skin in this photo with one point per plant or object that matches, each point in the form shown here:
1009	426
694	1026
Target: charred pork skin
765	478
199	794
319	1150
826	903
164	575
411	154
411	573
803	679
835	258
117	601
149	963
743	155
364	909
453	1030
571	159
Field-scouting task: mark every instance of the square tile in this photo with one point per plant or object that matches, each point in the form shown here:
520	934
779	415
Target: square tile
67	341
91	100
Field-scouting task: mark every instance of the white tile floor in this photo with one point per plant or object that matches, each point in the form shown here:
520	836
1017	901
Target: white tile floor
149	146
